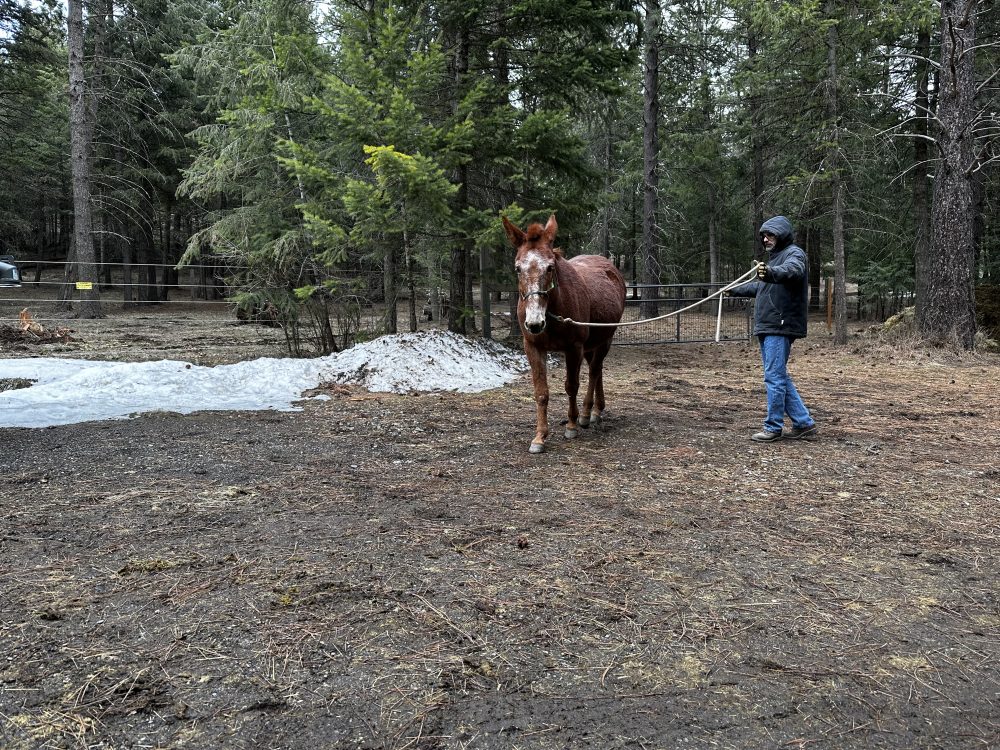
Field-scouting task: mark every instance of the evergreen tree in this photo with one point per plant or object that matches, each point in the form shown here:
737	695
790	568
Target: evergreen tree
258	69
33	131
389	140
147	109
380	109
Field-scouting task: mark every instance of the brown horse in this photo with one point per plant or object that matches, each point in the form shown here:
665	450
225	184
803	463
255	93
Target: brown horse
586	289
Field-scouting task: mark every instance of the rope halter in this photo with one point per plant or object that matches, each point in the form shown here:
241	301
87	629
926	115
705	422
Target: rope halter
541	292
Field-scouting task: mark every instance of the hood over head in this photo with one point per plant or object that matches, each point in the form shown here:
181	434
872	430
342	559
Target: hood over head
781	228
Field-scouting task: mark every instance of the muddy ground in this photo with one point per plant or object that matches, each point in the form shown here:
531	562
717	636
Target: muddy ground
396	571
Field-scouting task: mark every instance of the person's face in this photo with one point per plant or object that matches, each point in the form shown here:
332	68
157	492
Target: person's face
768	239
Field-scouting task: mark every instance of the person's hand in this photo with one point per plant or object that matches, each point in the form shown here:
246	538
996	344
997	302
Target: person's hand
762	270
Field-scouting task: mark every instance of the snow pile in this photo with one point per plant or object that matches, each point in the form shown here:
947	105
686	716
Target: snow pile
426	362
67	391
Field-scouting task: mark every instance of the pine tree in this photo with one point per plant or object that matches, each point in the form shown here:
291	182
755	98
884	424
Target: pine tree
34	117
258	71
946	296
380	108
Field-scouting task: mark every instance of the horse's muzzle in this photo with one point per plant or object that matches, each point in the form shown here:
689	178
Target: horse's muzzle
535	328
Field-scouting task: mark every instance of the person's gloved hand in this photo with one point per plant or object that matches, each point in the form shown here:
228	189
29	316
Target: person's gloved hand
762	270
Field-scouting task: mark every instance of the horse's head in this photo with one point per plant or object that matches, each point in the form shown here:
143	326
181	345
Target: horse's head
535	266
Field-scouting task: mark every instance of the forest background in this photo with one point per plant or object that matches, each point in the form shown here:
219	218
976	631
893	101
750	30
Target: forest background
298	149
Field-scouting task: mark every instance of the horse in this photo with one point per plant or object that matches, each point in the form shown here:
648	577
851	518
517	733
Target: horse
585	289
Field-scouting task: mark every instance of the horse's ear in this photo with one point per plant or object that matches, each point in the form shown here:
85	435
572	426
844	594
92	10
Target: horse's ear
515	235
550	229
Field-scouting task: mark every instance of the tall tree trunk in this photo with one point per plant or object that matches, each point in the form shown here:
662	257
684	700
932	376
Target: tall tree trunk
633	242
70	277
606	218
143	259
921	154
170	279
102	255
411	286
713	236
485	273
128	244
756	106
502	65
839	265
710	167
836	184
814	253
470	320
457	322
390	286
80	131
650	157
945	292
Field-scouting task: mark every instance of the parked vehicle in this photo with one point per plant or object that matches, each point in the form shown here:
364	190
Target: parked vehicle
9	273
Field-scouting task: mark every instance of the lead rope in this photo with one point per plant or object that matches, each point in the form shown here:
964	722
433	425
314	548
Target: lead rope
740	280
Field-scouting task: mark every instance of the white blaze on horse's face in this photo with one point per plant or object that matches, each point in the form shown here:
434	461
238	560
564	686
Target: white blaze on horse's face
535	274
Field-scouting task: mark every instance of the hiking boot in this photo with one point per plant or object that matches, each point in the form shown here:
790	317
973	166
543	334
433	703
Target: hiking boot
796	433
765	436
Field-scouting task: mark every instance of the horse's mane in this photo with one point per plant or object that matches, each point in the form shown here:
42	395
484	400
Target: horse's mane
535	232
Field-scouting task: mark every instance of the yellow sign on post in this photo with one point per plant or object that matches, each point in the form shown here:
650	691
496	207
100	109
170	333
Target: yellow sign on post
85	285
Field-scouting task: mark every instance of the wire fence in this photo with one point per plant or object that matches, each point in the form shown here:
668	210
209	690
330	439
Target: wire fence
199	294
643	301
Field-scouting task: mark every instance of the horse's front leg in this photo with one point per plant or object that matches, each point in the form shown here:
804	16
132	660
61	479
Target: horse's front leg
593	402
540	383
574	359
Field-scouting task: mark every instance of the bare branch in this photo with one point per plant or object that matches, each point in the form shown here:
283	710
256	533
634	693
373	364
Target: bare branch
986	82
986	45
909	102
920	58
920	136
912	168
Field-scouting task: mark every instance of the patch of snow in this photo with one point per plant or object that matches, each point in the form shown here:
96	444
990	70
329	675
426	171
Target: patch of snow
67	391
427	362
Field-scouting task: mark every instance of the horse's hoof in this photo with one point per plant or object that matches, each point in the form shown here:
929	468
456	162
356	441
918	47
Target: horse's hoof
583	421
571	433
537	448
596	419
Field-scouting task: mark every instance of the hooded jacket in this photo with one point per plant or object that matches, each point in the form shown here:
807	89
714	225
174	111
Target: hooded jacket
783	294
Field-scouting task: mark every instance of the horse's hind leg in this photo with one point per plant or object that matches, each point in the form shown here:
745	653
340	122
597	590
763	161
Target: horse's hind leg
574	359
595	386
588	400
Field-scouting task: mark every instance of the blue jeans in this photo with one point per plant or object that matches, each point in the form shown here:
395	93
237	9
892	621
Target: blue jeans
782	398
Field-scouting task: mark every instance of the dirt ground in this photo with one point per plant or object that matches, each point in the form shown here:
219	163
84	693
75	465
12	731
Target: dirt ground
396	571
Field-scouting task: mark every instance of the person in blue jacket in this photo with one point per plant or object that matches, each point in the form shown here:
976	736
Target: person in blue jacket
780	317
